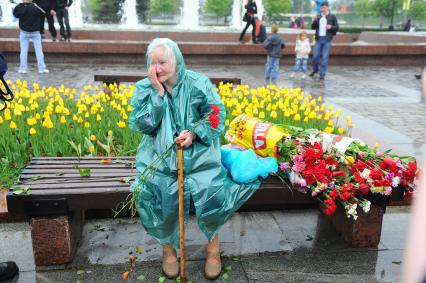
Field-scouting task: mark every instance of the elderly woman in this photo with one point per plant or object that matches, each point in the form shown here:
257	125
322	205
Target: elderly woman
169	106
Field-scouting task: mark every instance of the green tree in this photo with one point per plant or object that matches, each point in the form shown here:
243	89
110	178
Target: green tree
163	7
363	8
106	11
301	6
220	8
417	11
276	7
387	8
142	9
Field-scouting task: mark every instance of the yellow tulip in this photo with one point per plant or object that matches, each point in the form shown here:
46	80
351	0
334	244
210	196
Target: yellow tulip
98	117
226	122
92	137
296	117
92	148
33	131
37	116
63	120
121	124
340	131
109	133
330	123
376	145
350	159
80	120
1	120
12	125
47	123
31	121
86	125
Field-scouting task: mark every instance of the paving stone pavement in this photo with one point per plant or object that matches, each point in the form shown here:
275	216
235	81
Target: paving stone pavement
385	103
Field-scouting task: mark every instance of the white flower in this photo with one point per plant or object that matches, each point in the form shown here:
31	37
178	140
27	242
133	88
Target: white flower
313	139
343	145
365	173
351	211
395	181
327	142
366	206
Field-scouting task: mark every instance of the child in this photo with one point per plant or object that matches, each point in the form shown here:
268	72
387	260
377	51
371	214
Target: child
302	50
274	45
29	15
260	31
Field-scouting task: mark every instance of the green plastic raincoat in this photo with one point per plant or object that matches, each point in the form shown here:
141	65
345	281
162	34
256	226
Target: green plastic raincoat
216	197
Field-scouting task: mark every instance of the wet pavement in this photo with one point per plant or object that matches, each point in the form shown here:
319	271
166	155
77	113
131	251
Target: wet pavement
282	246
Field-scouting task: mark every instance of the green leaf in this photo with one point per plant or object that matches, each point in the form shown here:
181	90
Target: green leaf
84	172
227	267
141	277
35	178
225	276
80	272
22	191
60	174
162	279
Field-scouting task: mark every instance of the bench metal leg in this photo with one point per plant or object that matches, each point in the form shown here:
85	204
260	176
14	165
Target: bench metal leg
55	238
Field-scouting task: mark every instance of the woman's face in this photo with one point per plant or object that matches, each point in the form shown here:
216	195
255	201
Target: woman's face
163	67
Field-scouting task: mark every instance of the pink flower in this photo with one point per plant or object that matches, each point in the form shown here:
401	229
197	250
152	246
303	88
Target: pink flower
299	166
388	190
361	154
303	183
284	166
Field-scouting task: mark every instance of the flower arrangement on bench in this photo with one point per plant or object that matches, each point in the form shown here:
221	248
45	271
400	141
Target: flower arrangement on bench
334	169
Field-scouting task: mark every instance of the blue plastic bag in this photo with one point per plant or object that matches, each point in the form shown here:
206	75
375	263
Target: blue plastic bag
245	166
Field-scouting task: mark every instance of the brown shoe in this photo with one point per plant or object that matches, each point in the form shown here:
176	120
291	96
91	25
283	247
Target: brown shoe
213	266
170	267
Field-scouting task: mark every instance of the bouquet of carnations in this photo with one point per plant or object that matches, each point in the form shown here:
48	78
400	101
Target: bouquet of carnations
337	169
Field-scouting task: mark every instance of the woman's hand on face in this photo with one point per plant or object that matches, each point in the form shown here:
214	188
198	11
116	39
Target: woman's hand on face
152	73
185	138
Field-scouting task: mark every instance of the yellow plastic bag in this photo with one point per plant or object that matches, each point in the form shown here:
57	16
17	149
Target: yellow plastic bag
253	133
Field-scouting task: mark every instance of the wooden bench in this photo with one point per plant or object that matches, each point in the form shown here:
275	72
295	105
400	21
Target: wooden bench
60	195
117	78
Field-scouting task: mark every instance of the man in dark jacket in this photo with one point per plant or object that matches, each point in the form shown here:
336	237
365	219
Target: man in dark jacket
47	6
325	26
61	9
29	15
274	45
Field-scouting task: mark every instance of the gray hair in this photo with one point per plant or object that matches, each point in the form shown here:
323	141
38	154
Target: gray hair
158	43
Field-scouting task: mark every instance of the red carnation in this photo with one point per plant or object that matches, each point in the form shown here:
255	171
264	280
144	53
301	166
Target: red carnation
364	189
334	194
339	174
330	209
376	174
215	109
214	120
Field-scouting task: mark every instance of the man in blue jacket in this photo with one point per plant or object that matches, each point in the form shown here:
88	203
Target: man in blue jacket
325	26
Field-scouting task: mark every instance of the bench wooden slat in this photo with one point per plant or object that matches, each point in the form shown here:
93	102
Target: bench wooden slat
97	198
28	182
93	171
77	175
54	186
70	166
86	158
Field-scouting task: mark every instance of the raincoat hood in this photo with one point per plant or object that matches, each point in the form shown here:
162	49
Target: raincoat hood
180	63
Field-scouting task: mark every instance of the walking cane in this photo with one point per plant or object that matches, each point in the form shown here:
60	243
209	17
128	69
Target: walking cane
181	215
